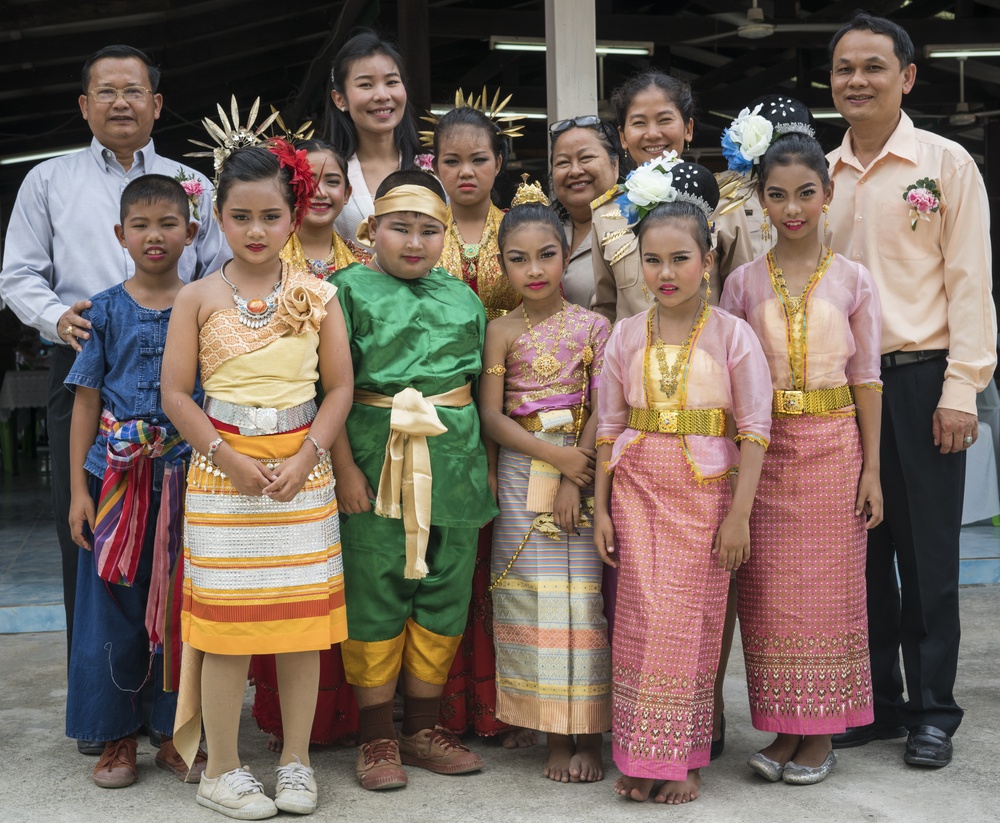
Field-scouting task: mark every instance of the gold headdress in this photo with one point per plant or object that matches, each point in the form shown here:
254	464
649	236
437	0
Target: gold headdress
529	193
492	109
231	136
303	132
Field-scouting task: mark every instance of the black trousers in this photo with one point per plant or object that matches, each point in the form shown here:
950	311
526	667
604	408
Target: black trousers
923	492
60	411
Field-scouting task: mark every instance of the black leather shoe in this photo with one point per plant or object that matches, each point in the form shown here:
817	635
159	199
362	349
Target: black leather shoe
91	747
155	738
928	746
860	735
718	746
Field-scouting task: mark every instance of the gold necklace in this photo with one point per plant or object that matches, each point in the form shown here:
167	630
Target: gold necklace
470	251
794	304
545	366
670	377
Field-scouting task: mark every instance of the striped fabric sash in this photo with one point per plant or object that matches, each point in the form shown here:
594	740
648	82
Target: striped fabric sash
123	509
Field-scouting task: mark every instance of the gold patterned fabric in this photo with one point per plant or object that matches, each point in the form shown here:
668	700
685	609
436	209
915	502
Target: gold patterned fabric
301	308
342	255
479	266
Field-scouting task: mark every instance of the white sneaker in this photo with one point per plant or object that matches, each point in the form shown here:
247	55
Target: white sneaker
236	793
296	791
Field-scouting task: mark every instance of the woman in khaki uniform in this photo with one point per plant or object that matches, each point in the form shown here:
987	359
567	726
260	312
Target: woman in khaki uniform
655	114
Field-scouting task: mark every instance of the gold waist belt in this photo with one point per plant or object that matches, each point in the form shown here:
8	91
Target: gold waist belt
711	422
412	421
533	423
790	402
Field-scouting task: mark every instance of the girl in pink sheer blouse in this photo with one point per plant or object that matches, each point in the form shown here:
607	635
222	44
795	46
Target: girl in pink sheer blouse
802	604
676	379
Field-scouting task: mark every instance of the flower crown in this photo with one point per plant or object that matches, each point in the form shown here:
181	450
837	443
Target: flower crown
492	109
749	137
652	184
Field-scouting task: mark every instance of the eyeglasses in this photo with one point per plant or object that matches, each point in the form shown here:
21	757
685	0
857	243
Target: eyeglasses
108	94
586	120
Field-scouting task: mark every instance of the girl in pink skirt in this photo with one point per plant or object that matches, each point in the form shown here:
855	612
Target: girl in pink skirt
802	593
675	378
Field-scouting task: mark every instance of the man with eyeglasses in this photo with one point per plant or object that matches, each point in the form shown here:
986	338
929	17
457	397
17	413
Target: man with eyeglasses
61	248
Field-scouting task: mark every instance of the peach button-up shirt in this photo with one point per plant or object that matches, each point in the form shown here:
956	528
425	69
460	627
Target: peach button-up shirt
934	281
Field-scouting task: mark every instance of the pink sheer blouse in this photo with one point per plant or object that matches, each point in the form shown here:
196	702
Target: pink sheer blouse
839	340
726	370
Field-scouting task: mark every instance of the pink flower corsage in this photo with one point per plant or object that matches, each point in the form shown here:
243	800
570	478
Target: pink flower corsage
924	198
192	188
424	162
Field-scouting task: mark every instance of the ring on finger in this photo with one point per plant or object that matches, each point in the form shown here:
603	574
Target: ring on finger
69	328
968	440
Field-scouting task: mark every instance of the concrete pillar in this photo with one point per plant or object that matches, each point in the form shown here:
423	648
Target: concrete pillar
570	60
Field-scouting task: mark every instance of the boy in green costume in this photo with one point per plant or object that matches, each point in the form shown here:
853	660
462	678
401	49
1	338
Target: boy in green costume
413	433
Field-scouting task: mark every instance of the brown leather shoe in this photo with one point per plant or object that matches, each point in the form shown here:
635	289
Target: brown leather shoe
168	759
438	750
116	768
378	765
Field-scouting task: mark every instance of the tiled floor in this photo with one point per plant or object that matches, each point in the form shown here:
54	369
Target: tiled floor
31	578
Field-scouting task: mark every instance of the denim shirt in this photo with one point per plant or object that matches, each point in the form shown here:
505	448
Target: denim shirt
122	361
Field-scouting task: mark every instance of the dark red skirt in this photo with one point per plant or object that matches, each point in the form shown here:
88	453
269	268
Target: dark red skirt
469	701
336	709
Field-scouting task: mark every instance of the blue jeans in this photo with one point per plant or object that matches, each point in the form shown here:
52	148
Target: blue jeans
111	667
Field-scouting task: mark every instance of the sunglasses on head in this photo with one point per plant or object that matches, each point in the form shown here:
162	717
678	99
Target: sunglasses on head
586	120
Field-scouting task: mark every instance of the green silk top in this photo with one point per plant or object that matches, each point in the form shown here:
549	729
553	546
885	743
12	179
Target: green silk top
426	334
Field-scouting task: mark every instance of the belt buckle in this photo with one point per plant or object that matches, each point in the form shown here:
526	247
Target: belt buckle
791	402
266	420
253	421
667	424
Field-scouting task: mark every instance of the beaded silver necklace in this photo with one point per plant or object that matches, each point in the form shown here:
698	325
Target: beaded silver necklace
256	312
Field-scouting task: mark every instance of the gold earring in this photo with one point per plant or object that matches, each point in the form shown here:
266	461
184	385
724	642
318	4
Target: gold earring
826	221
765	229
708	285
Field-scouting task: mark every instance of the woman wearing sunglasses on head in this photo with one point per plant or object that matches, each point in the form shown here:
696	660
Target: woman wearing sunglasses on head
584	165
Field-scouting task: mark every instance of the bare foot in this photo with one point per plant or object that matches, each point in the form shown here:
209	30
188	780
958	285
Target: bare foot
634	788
675	792
813	750
783	748
518	738
586	766
275	743
561	750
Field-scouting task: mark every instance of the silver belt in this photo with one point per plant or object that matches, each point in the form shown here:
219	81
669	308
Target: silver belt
252	421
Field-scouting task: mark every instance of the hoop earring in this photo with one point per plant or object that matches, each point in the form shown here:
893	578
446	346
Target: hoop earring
826	221
765	229
708	285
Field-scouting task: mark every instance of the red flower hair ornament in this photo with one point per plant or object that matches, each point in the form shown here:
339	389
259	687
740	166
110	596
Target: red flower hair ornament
303	183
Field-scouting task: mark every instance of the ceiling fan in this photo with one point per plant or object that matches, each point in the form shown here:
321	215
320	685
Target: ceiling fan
755	26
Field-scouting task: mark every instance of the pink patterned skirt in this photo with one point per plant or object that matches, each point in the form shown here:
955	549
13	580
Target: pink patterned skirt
802	608
670	610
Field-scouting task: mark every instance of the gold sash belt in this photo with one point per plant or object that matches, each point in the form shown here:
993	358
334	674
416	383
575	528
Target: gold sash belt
533	423
787	402
711	422
404	489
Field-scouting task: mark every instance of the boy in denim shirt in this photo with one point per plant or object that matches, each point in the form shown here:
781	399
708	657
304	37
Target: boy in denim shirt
128	466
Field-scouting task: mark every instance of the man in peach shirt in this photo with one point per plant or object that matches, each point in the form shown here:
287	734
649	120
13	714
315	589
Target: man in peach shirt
931	259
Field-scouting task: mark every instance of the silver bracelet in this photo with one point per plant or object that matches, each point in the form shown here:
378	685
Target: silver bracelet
320	451
213	447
